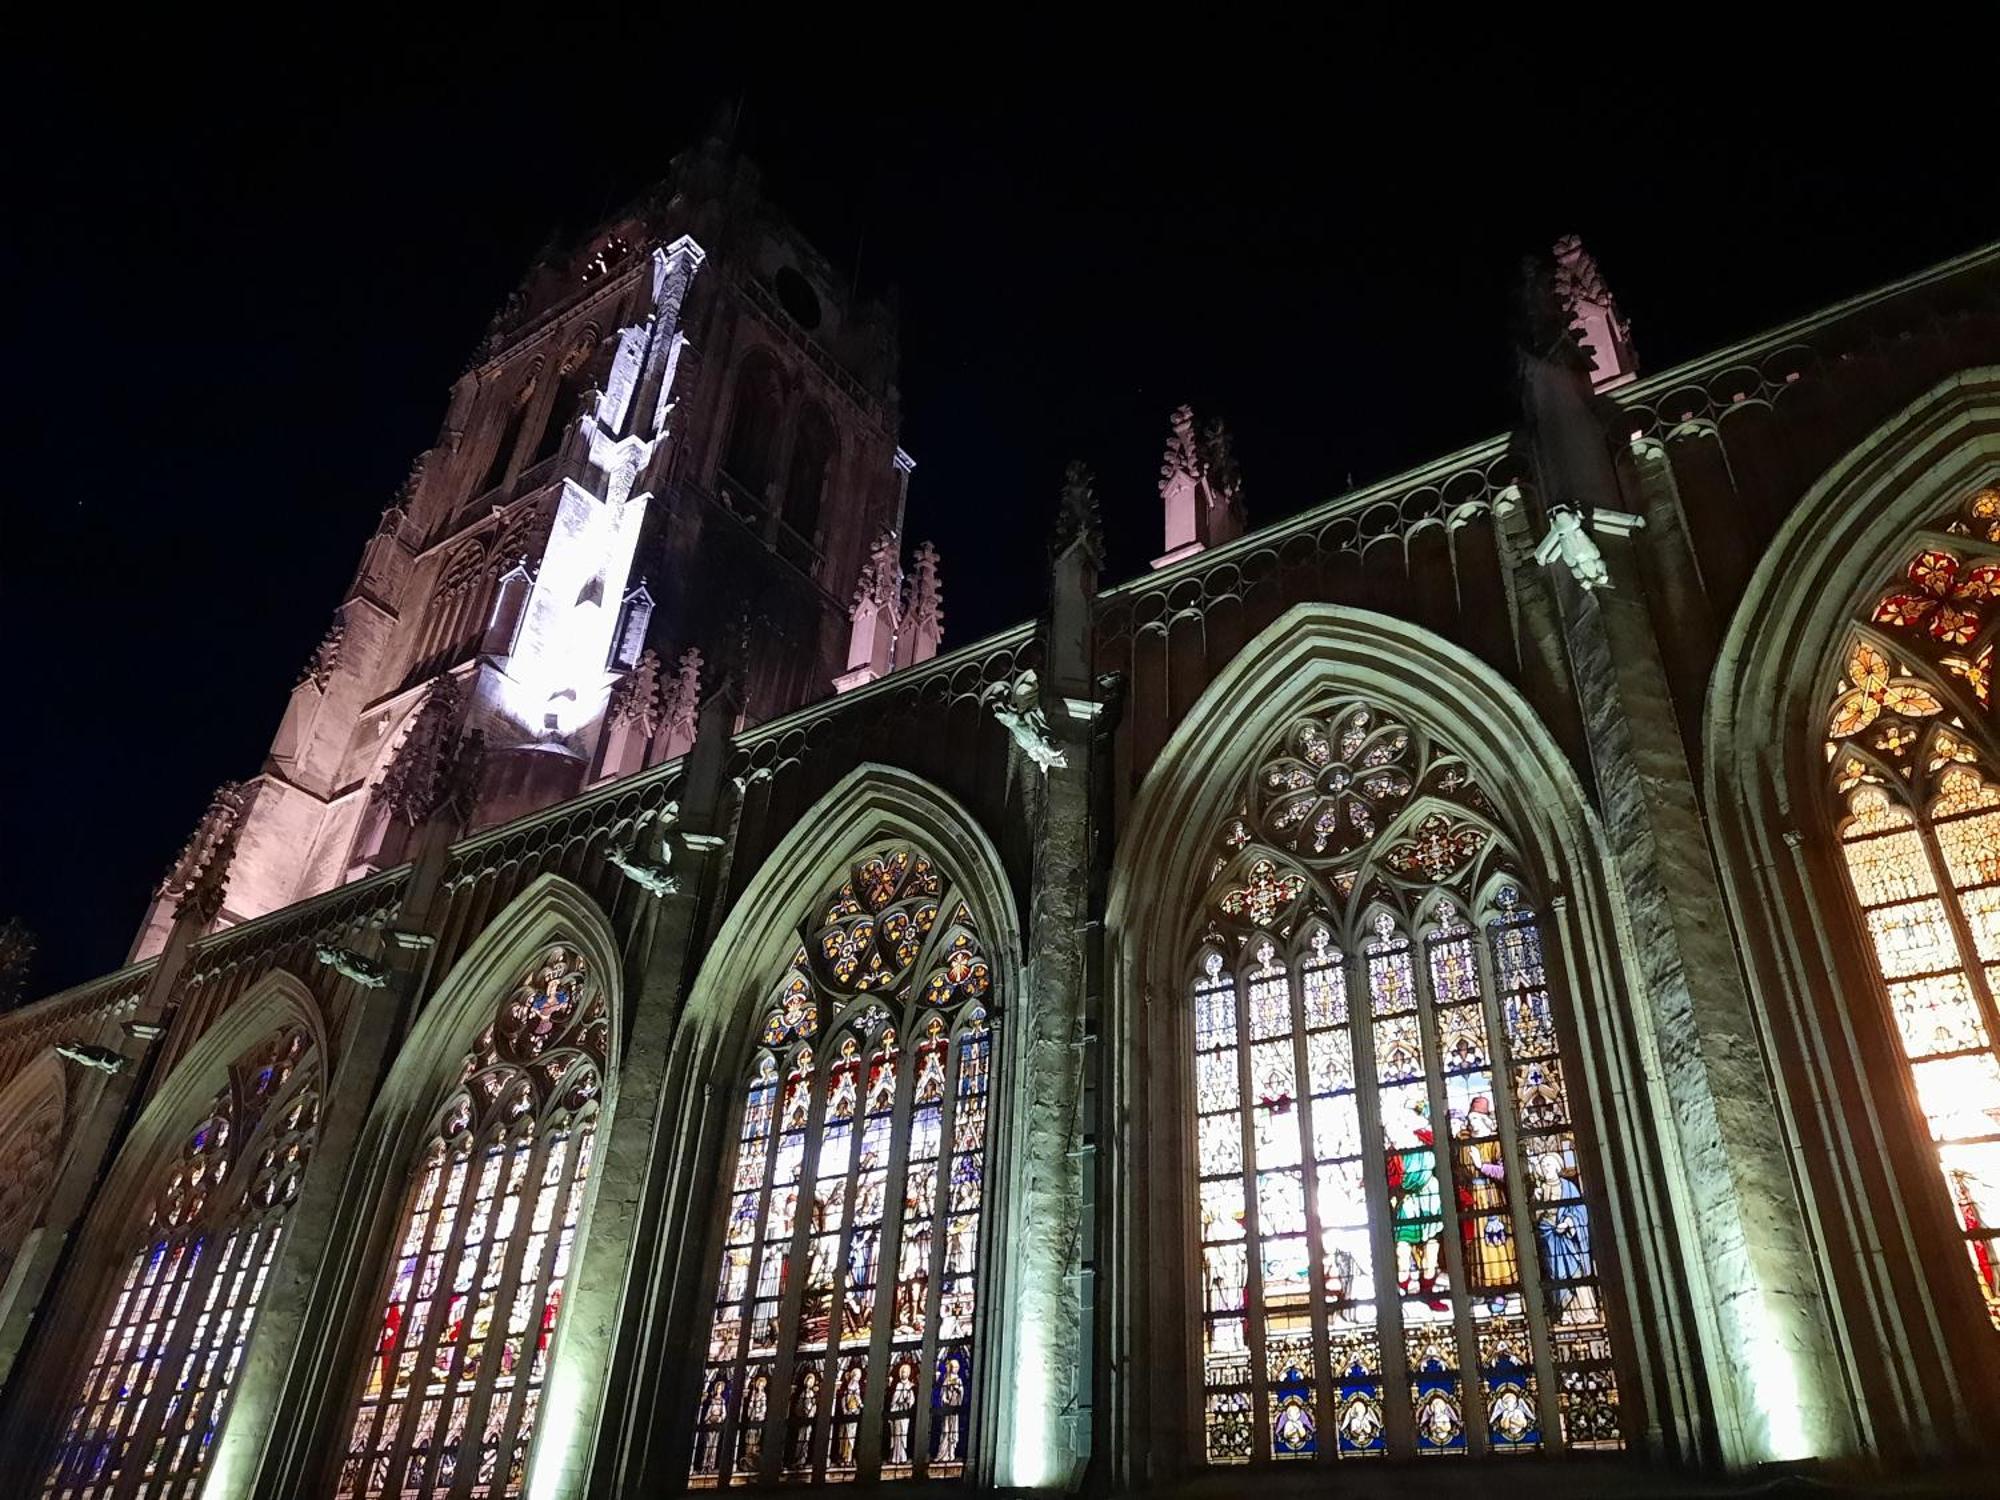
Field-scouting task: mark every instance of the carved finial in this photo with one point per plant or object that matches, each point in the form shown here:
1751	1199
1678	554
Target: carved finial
505	318
680	703
406	492
197	879
1222	478
1182	462
636	699
421	778
1076	520
1541	321
1594	317
881	581
364	971
923	603
320	667
17	956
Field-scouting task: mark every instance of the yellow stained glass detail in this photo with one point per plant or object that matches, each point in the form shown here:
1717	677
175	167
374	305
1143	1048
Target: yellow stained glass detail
1914	938
1982	915
1936	1015
1971	848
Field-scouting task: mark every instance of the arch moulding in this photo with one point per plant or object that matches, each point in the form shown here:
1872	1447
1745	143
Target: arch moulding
324	1369
1918	1355
871	805
1672	1321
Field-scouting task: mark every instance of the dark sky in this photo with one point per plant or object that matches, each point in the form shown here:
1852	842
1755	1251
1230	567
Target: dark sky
244	276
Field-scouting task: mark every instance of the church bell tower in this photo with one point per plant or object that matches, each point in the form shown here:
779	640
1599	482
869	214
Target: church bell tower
678	437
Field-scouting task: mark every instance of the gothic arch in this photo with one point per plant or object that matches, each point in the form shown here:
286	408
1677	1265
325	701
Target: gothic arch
1918	1352
277	1003
755	429
428	1071
1312	652
874	805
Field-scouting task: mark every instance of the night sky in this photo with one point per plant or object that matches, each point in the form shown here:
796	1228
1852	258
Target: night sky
240	291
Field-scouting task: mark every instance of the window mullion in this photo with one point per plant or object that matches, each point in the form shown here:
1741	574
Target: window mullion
778	1408
1323	1386
519	1276
738	1363
209	1390
1451	1224
836	1356
437	1306
1398	1420
1961	930
149	1419
888	1257
920	1436
1253	1228
1520	1212
471	1441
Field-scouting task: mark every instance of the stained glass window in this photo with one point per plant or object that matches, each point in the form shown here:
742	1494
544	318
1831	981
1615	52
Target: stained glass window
1398	1253
156	1384
841	1342
1909	750
473	1294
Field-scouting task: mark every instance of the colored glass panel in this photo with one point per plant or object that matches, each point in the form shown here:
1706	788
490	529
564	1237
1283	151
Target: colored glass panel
453	1387
158	1381
846	1350
1396	1247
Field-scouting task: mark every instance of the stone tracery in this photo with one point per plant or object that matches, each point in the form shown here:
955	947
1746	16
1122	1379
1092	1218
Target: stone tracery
868	1089
1370	966
1909	748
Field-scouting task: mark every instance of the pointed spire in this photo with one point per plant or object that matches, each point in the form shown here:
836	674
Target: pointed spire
635	702
319	668
681	702
1077	525
197	880
1222	479
1201	487
881	581
923	610
875	613
1594	318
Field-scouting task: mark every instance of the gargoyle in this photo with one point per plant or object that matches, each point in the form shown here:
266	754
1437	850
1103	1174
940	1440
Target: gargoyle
1018	705
364	971
1570	544
649	870
87	1055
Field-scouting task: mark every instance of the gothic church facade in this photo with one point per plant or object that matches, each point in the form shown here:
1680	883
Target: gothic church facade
1499	968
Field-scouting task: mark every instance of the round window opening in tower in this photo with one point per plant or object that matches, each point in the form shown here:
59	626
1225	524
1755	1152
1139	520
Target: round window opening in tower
796	295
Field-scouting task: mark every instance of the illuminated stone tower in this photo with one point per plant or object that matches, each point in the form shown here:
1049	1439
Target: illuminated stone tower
678	436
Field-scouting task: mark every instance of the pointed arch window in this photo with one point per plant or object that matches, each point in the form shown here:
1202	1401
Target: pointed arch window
841	1345
157	1381
451	1397
1910	759
1397	1252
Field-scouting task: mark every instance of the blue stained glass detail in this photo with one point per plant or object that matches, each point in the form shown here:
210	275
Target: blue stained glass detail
1293	1431
1360	1428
